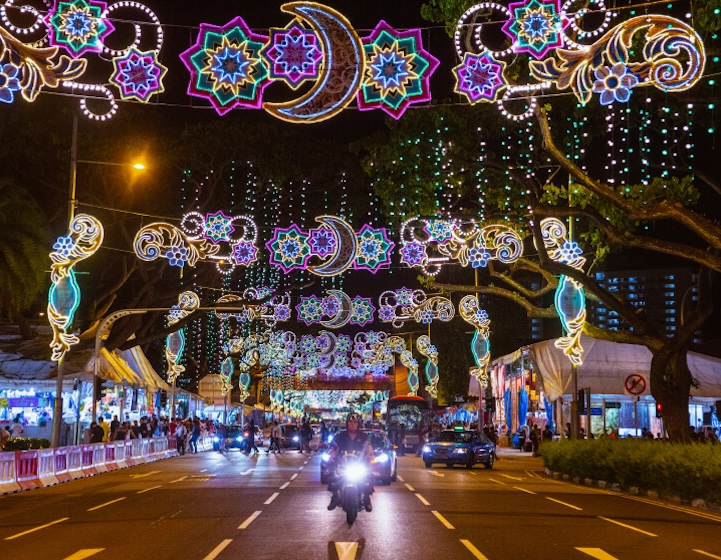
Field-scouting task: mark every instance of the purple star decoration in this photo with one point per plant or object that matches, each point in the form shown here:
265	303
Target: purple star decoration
138	75
293	54
479	77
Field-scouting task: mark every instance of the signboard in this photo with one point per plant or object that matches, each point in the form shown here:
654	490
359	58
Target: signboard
635	384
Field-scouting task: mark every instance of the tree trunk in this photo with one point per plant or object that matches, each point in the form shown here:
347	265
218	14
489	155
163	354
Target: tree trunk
671	382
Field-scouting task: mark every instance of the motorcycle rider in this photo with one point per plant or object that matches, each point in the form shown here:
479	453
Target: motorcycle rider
351	441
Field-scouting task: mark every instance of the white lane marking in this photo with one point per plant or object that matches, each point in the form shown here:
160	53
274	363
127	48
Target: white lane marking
524	490
564	504
423	500
300	468
473	549
250	520
247	472
218	549
285	486
179	479
36	529
346	550
410	487
148	489
706	554
142	476
294	476
496	481
84	553
597	553
627	526
436	473
106	504
273	497
512	477
474	474
443	520
203	470
400	478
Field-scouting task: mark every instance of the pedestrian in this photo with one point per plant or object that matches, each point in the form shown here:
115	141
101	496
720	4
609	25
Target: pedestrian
180	434
402	439
105	427
249	433
306	434
114	423
16	429
275	435
4	438
195	434
96	433
535	439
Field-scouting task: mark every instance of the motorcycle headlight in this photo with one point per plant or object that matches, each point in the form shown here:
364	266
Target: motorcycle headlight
296	438
216	439
382	458
330	438
426	449
355	472
325	457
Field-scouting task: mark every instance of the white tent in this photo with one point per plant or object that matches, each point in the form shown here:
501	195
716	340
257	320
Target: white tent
612	367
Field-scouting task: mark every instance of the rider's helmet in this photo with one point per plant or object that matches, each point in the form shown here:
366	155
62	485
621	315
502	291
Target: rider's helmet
353	416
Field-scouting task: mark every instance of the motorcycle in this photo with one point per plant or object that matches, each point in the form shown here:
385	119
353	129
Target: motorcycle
352	475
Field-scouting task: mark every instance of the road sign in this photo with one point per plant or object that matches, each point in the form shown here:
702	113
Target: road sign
635	384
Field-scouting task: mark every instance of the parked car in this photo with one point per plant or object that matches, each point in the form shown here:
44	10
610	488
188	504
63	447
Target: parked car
384	464
459	447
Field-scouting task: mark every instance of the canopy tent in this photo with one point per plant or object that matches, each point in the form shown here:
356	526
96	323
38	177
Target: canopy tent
605	368
127	367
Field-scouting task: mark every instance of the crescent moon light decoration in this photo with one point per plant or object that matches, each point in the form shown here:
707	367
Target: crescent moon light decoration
413	304
569	299
480	345
335	241
84	239
340	72
431	243
340	307
672	58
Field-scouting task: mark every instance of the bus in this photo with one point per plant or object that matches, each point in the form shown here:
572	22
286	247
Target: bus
413	413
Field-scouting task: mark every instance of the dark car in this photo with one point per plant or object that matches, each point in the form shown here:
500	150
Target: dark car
233	439
384	464
291	438
459	447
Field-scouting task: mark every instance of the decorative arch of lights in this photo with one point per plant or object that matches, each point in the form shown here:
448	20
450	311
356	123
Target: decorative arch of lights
569	299
430	243
83	240
231	66
569	54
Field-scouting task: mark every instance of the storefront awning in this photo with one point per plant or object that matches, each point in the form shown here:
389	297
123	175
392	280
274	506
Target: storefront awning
127	367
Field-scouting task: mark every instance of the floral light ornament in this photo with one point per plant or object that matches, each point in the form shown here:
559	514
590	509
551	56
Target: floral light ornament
289	248
218	227
480	77
614	84
414	254
138	75
398	70
78	26
226	66
9	82
294	54
244	253
374	249
537	26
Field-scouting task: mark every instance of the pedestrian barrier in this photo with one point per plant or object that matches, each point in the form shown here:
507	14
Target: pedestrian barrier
8	478
46	467
24	470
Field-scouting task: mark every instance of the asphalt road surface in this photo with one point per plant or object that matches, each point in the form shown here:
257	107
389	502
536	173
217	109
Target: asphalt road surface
233	506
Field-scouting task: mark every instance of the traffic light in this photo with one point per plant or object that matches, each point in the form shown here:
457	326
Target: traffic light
659	410
491	404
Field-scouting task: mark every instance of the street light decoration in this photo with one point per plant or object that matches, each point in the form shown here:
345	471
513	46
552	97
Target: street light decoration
83	240
270	312
175	341
480	345
404	304
431	352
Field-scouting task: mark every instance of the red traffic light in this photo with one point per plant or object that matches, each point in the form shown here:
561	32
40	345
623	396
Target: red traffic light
659	410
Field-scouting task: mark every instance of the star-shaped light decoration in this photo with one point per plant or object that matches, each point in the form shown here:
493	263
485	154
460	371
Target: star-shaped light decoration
218	227
480	77
536	26
289	248
413	253
363	311
398	70
244	253
310	310
226	66
293	54
322	242
374	249
440	230
138	74
77	26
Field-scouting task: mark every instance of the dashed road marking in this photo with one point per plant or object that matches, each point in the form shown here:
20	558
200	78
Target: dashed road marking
627	526
247	472
182	478
410	487
273	497
436	473
36	529
400	478
496	481
250	520
597	553
423	500
148	489
524	490
473	549
294	476
142	476
706	554
512	477
564	504
106	504
285	486
443	520
84	553
218	549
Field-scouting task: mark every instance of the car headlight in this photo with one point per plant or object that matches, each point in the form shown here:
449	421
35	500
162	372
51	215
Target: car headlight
239	438
216	439
427	449
330	438
325	457
296	438
382	458
460	451
355	472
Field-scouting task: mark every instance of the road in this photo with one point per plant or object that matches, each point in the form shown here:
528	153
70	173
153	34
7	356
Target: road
232	506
